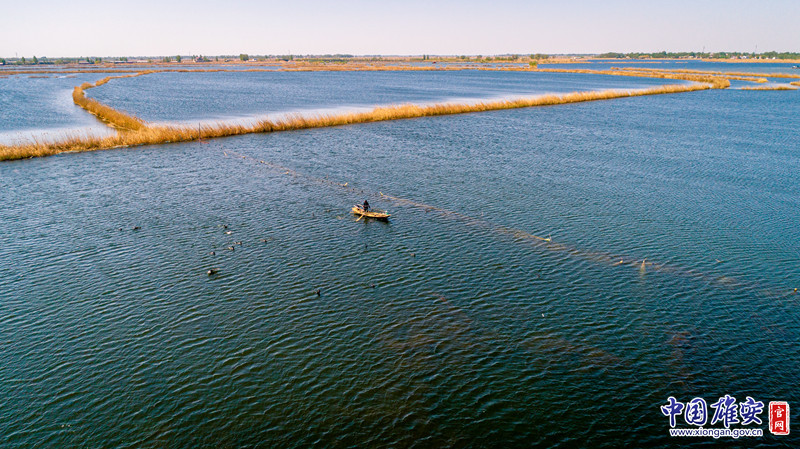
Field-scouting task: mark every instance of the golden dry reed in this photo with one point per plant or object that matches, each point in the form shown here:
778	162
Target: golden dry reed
715	73
795	83
146	135
123	121
114	117
715	82
776	87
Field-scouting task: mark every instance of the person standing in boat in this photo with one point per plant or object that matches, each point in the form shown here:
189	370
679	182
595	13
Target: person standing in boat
366	206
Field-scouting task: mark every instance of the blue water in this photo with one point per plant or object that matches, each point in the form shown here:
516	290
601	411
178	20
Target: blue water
41	106
451	325
222	95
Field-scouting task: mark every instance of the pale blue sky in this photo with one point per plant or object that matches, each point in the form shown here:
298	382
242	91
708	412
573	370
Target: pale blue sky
152	28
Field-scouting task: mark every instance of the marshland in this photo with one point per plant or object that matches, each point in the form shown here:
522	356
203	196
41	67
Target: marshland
133	131
570	243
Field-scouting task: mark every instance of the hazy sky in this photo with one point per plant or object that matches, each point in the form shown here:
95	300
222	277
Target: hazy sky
148	27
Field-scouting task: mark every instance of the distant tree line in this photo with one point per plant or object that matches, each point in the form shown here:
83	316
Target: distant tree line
700	55
335	58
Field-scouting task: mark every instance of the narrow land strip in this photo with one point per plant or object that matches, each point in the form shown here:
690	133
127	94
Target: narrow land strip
146	135
132	131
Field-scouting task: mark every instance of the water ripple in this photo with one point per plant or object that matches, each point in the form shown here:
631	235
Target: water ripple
451	325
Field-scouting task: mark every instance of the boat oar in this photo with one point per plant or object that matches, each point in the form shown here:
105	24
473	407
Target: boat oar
359	217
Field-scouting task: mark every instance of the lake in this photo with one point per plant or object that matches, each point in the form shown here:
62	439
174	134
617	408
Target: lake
550	276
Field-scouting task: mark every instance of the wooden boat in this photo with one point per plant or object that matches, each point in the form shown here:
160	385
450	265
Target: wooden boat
378	215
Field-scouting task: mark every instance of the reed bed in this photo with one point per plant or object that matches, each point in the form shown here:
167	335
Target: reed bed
296	67
715	82
716	73
69	142
146	135
765	75
403	68
752	79
361	66
778	87
123	121
114	117
795	83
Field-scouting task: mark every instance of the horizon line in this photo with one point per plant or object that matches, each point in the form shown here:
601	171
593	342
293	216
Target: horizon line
413	55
